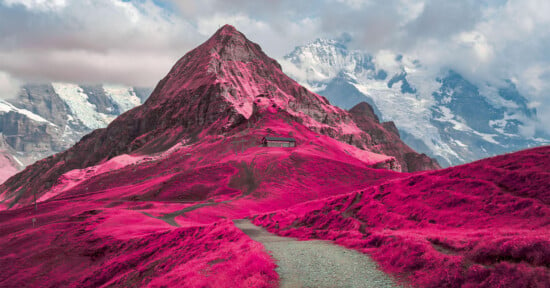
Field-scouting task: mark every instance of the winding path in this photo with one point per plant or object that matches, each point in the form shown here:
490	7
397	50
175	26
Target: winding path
317	263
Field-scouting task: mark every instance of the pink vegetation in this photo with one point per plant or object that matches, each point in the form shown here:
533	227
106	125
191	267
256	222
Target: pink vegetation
83	251
484	224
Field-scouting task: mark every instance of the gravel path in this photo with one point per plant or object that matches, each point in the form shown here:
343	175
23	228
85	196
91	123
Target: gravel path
317	263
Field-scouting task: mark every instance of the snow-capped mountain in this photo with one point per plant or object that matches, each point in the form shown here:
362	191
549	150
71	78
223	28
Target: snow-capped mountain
441	114
48	118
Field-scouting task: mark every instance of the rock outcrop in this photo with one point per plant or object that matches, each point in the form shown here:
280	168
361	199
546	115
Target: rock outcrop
384	139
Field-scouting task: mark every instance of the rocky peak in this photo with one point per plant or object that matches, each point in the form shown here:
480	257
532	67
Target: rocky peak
228	44
225	47
223	77
364	109
228	30
231	45
384	138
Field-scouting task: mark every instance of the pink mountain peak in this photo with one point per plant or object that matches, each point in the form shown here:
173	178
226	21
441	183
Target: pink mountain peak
228	30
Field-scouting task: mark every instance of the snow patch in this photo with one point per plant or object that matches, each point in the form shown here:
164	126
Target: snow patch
123	96
461	126
80	107
18	161
459	143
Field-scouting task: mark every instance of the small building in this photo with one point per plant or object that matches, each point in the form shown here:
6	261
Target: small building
278	142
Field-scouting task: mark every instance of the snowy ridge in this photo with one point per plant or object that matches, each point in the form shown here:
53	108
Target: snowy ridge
321	61
80	107
7	107
404	110
324	60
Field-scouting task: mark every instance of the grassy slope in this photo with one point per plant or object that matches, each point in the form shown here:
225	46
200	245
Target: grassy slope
484	224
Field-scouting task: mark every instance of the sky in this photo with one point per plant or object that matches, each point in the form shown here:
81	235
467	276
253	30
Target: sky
136	42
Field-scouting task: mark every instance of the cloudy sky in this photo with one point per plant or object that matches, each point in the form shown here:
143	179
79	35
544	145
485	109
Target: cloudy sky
136	42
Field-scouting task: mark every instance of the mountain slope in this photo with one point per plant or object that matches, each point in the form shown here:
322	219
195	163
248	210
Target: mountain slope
443	115
44	119
483	224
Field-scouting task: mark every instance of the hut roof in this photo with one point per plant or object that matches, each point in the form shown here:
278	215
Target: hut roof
269	138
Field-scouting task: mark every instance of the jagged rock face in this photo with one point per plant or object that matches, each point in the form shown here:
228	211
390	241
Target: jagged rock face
384	139
32	124
212	89
390	127
42	100
26	135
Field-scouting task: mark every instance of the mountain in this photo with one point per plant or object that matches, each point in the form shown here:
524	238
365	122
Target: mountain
44	119
210	91
150	199
443	115
385	139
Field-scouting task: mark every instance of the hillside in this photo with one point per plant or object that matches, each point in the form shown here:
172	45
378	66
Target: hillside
483	224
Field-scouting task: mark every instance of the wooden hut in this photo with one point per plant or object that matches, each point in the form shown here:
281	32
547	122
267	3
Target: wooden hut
278	142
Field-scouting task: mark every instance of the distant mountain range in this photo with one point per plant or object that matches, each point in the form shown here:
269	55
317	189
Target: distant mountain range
444	115
48	118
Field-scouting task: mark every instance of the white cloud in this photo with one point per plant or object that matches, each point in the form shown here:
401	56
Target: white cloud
386	60
410	10
92	41
43	5
355	4
477	43
116	66
9	86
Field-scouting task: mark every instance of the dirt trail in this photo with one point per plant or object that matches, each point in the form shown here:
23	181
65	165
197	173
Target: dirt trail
317	263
